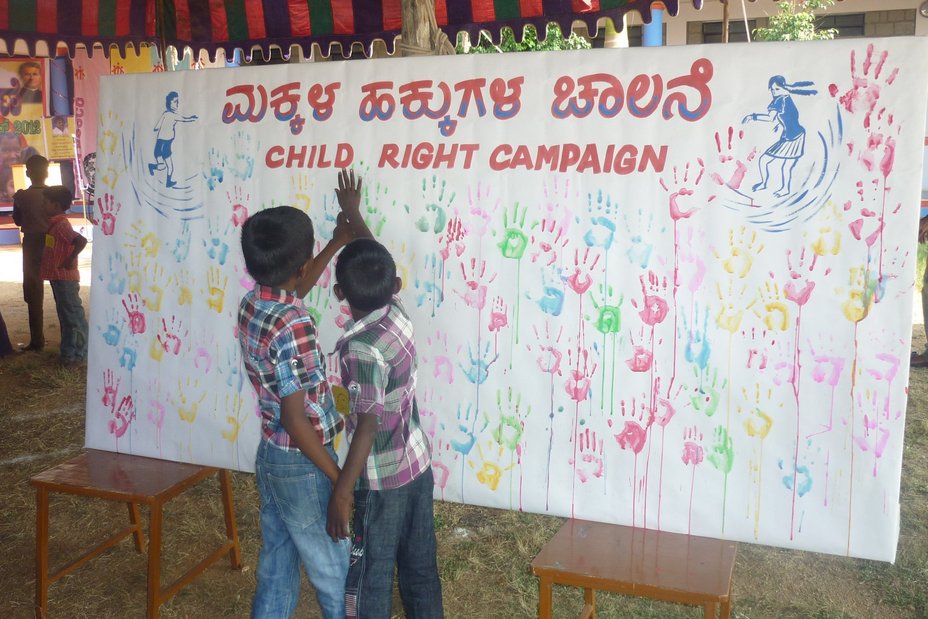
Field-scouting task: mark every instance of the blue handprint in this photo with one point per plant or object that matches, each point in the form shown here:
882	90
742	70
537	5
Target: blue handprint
479	366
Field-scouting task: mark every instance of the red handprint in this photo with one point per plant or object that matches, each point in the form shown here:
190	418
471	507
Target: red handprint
581	280
109	208
133	309
578	384
476	294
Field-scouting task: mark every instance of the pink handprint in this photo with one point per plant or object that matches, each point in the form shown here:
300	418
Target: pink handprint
865	91
170	336
133	307
549	357
578	384
547	241
476	294
641	358
110	389
109	208
727	160
589	463
453	237
498	318
693	452
681	191
581	280
124	416
795	291
238	199
634	434
654	308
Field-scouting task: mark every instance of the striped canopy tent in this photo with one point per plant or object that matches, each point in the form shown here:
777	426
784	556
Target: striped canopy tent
212	25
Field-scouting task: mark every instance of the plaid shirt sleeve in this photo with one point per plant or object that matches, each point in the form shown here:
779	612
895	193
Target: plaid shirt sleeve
297	361
365	373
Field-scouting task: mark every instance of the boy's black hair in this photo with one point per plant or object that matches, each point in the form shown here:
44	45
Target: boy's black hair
275	243
366	273
170	97
60	195
36	163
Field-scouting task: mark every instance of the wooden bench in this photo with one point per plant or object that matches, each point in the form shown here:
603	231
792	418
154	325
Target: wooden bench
132	480
654	564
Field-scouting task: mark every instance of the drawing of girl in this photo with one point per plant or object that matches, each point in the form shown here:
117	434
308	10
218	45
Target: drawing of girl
790	147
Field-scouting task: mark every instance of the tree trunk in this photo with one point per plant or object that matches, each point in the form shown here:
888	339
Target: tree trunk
421	35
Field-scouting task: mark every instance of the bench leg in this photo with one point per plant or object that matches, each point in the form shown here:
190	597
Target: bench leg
589	604
726	609
544	598
235	553
709	610
135	517
41	552
154	562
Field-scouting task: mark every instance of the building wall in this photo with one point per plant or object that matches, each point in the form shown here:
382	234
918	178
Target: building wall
894	17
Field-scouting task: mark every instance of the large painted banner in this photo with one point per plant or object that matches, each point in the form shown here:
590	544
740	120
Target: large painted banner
669	288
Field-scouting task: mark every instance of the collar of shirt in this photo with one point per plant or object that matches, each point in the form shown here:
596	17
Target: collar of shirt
269	293
56	218
354	327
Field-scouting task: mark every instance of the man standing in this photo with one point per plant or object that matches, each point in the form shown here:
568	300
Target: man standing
31	214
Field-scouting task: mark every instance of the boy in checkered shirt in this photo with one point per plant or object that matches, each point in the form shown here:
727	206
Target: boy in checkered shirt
59	267
387	476
296	464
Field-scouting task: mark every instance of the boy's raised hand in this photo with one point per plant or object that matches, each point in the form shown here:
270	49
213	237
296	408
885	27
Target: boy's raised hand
349	192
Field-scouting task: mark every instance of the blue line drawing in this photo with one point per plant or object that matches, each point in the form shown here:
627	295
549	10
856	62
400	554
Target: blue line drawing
790	147
166	130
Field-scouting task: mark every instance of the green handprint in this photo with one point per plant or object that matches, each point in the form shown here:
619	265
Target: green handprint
515	241
722	453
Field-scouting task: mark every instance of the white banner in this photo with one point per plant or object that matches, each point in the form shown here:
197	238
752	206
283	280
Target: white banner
670	288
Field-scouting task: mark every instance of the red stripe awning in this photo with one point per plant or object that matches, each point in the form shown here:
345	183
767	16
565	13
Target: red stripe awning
303	22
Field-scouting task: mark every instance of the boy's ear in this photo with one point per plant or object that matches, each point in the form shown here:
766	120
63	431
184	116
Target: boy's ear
337	290
397	285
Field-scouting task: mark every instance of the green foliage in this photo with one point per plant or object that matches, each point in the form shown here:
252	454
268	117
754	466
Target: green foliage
796	22
554	40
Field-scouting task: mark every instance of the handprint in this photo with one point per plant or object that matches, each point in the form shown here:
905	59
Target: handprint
515	240
681	190
125	414
589	462
186	401
758	423
476	293
498	318
733	305
110	388
234	407
216	284
437	199
490	472
217	163
508	428
640	236
156	280
581	279
547	239
706	395
728	161
698	347
482	206
608	311
453	237
578	383
602	231
654	308
478	365
463	438
147	242
795	291
109	209
634	433
215	244
722	453
743	247
775	313
239	200
133	307
170	336
692	446
549	357
867	85
114	327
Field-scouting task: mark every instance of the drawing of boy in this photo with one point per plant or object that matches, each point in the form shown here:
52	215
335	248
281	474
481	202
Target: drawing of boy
387	477
166	134
296	463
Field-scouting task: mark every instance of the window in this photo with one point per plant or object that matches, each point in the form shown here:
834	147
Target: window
849	25
712	31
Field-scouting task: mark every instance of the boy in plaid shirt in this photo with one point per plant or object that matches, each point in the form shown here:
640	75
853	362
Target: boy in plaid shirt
387	474
295	465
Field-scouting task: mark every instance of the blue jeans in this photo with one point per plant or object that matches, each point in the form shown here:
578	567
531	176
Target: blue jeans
394	528
294	501
71	318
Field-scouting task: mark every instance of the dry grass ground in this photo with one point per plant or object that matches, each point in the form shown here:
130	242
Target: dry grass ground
484	554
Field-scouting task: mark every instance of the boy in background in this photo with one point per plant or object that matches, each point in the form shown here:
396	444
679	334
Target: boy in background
296	462
387	476
59	267
31	212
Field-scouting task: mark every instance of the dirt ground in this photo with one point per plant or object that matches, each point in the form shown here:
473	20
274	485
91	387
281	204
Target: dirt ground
484	554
